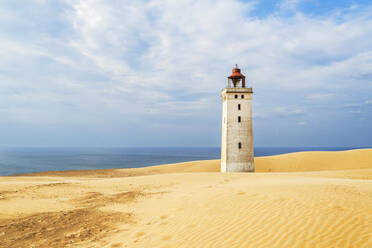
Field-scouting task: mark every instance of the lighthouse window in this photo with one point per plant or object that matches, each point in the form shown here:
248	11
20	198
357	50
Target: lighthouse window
238	106
236	96
239	119
240	145
242	96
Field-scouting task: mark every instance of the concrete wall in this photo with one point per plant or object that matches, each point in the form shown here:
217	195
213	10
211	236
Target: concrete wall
234	159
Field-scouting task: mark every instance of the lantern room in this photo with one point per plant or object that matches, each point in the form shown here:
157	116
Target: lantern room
235	78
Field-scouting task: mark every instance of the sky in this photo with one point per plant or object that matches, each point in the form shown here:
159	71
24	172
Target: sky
150	72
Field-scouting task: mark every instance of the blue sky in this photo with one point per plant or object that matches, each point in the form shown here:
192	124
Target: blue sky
149	73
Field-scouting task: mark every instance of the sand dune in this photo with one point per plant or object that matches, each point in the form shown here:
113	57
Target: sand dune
316	161
291	162
326	202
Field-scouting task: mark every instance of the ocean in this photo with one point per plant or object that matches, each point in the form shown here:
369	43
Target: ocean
25	160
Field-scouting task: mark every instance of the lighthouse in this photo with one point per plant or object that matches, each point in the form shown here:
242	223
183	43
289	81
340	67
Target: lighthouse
237	135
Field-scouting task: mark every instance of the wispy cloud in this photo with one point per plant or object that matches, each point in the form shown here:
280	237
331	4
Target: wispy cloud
278	111
290	4
320	96
355	111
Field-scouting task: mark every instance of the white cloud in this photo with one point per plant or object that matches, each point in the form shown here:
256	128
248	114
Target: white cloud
190	45
301	123
320	96
289	4
355	111
278	111
352	105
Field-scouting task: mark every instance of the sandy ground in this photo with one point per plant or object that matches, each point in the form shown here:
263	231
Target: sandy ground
309	199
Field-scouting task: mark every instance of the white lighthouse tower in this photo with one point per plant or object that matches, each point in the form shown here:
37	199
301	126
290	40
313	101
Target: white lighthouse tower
237	134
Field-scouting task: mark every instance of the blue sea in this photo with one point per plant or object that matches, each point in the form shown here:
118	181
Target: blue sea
25	160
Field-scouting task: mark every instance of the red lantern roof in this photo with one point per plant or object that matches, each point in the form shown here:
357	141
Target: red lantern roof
236	76
236	73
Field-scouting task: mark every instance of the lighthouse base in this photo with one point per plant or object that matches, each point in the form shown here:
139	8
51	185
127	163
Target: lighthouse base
237	167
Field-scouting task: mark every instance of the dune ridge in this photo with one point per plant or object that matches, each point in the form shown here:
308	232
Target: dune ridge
290	162
315	199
